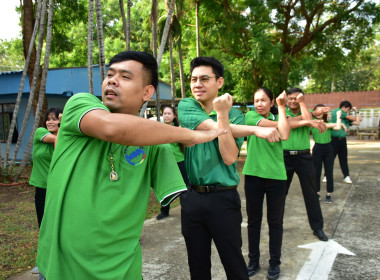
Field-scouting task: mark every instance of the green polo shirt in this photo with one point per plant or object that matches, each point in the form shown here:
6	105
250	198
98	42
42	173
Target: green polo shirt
264	159
204	163
176	149
42	154
299	138
92	225
321	138
346	122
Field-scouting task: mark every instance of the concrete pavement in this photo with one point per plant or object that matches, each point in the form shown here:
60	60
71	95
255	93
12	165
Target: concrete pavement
351	222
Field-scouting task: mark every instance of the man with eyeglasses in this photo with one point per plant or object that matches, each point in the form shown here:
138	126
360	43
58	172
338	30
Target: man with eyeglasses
211	208
298	159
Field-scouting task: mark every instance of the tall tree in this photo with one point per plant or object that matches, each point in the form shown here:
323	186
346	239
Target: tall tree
28	59
99	24
42	94
90	44
197	3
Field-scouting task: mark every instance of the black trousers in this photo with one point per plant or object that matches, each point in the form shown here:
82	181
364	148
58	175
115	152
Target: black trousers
339	145
39	202
255	190
324	154
182	168
213	216
302	165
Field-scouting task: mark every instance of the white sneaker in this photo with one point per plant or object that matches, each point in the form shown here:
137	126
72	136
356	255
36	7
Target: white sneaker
347	180
35	270
324	180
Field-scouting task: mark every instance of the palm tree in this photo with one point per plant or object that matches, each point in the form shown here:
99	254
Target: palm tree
33	88
126	23
102	65
197	2
22	83
42	94
90	46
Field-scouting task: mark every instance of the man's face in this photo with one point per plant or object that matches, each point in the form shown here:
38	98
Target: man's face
123	89
346	109
204	84
292	101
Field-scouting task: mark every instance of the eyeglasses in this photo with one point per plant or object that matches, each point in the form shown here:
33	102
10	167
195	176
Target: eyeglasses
202	79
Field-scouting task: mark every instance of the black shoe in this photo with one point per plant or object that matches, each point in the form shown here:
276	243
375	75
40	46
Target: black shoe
253	268
320	234
161	216
273	272
328	199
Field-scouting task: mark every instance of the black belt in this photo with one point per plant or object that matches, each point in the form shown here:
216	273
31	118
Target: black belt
339	138
294	153
211	188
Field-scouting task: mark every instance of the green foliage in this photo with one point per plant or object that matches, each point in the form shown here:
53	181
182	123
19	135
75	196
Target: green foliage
258	42
11	55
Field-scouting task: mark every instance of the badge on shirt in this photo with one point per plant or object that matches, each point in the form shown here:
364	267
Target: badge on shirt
134	155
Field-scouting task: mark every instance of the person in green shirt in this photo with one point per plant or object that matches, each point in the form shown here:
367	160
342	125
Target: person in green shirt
101	173
265	175
298	159
211	208
43	148
323	152
338	137
170	117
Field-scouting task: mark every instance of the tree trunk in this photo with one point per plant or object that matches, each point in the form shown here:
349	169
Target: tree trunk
102	66
161	51
181	73
36	73
172	76
129	5
126	29
90	44
42	93
197	26
154	19
28	61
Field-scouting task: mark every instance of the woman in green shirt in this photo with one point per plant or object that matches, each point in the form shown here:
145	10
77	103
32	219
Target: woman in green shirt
265	175
43	148
323	152
170	117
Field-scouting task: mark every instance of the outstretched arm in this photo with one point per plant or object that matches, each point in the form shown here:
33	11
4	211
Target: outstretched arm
135	131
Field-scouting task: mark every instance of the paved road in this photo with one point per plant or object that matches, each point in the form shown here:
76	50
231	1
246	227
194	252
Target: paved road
351	222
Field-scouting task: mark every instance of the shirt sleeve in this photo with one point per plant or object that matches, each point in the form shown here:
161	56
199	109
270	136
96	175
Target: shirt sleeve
191	113
253	118
167	181
76	107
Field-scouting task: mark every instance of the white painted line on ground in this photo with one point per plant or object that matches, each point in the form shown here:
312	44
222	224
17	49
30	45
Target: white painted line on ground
321	259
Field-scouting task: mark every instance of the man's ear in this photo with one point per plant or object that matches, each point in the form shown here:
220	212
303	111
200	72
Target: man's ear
148	92
220	82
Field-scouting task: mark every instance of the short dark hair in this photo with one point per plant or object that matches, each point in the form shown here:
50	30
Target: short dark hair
217	67
294	90
345	104
56	112
147	60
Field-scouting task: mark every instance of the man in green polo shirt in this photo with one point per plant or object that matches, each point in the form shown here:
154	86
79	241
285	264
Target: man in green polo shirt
210	209
298	159
101	173
338	137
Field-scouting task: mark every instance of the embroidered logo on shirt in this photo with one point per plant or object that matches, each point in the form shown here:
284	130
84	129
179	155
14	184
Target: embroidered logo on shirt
134	155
